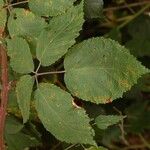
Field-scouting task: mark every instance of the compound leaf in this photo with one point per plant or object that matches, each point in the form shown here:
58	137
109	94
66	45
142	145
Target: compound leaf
60	117
54	42
50	7
103	121
23	91
100	70
21	58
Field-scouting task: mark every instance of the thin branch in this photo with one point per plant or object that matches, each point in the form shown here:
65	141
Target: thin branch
56	146
38	67
7	3
134	16
53	72
147	144
36	80
121	126
126	6
134	147
61	85
15	4
71	146
129	7
4	94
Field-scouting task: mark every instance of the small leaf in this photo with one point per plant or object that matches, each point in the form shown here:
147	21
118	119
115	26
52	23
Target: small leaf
93	8
54	42
21	58
50	7
100	70
103	121
3	16
23	90
60	117
24	23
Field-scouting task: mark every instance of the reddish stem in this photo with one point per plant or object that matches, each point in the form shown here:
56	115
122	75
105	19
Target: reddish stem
4	94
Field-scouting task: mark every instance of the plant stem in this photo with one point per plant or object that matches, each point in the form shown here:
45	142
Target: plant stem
126	6
71	146
134	147
145	142
53	72
4	94
134	16
121	126
38	67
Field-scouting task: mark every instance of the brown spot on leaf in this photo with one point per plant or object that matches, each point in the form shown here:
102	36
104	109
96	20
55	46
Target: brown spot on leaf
124	83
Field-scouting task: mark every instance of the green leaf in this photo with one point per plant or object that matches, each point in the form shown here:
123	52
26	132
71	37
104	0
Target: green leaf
13	126
103	121
50	7
20	141
96	148
21	58
100	70
60	117
93	8
54	42
24	23
3	16
23	90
